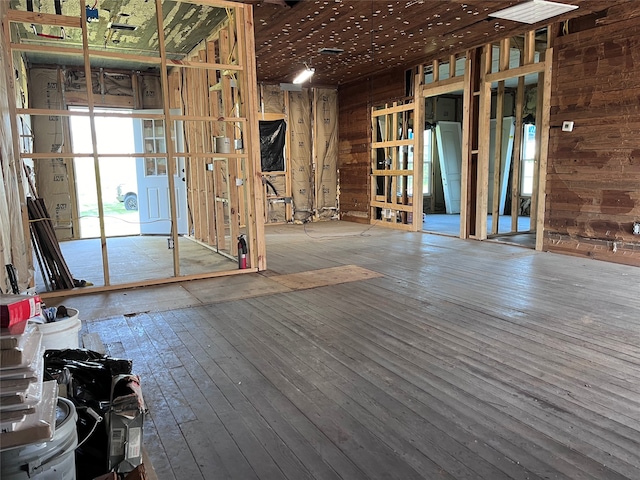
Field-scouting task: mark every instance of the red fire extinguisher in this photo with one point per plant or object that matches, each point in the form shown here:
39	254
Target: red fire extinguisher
242	252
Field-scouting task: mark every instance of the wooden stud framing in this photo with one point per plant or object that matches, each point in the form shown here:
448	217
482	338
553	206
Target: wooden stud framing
287	165
536	176
517	156
171	157
396	210
149	283
505	51
418	152
515	72
20	47
529	47
314	153
497	161
246	44
373	185
466	148
483	126
204	120
94	142
544	148
18	165
21	16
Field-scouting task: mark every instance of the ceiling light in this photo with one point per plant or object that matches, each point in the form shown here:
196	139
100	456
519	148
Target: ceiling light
534	11
304	75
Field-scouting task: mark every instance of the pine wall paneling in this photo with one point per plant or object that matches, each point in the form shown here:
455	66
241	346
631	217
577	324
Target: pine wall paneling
593	176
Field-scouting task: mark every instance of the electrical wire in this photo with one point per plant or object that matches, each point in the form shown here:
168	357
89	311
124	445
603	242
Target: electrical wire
97	419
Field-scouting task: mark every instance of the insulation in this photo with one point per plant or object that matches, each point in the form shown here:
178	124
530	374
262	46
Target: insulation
151	92
52	174
272	99
75	81
326	118
276	208
300	148
117	84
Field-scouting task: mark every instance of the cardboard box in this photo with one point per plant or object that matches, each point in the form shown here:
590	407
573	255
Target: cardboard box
124	423
18	308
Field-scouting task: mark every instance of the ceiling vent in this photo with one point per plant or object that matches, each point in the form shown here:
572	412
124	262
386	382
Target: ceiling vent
534	11
331	51
122	26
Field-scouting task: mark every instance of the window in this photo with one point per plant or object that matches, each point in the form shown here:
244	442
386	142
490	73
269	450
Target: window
426	162
528	159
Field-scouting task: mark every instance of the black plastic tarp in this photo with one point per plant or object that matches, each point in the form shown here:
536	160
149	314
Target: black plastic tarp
272	138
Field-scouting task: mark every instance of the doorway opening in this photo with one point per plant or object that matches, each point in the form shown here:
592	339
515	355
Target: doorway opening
117	174
442	163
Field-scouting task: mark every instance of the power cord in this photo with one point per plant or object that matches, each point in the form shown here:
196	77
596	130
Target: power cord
97	419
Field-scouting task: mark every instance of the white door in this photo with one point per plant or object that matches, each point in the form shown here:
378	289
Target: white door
508	134
152	179
449	140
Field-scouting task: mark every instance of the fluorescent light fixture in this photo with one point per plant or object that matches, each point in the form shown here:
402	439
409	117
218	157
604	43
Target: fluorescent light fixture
534	11
304	75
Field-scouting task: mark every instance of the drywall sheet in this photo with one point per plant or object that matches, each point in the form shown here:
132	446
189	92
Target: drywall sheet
300	148
52	174
272	99
326	142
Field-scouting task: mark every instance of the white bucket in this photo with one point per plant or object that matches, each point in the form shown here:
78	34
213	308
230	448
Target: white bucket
53	460
222	145
62	334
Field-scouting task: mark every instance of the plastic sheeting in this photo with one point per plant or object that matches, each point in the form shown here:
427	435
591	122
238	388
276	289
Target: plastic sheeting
272	138
301	162
88	378
52	174
326	117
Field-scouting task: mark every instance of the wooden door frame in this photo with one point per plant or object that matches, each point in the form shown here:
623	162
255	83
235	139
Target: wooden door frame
436	89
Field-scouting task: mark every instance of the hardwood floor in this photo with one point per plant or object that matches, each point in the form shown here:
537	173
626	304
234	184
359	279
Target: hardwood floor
463	360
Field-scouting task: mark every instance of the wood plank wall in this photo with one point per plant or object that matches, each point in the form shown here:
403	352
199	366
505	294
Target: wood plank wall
593	179
354	132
